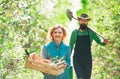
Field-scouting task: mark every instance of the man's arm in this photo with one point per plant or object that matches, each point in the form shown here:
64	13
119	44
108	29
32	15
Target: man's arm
98	39
72	39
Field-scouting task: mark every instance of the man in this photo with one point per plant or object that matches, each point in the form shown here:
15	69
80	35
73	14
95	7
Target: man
82	39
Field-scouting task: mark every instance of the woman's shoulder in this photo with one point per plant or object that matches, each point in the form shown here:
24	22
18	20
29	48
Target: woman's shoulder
48	44
65	45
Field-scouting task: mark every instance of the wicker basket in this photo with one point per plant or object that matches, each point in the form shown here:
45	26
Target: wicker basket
43	65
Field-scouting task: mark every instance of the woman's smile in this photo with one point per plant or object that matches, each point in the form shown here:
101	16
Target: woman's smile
57	35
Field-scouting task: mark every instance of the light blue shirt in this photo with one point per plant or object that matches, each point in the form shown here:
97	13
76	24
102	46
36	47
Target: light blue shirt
52	50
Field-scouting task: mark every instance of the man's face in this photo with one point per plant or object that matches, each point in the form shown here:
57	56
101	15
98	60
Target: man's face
83	23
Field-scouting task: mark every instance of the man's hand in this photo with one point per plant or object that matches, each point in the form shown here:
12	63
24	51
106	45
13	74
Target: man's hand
106	41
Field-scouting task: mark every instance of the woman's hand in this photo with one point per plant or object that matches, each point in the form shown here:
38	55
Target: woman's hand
34	57
64	65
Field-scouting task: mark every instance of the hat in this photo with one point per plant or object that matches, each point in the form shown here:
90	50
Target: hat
84	16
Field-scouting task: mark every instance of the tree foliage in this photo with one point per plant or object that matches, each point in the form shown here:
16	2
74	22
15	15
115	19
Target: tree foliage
25	23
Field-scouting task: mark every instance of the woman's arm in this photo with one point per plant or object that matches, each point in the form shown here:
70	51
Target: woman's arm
44	52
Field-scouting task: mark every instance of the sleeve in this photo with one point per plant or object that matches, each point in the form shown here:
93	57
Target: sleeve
72	40
44	52
68	57
98	39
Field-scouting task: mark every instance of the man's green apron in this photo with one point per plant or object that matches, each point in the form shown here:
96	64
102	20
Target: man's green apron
82	59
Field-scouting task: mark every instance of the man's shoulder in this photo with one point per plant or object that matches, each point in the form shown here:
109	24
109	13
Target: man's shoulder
75	30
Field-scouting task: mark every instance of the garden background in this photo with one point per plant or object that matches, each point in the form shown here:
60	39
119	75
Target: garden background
25	23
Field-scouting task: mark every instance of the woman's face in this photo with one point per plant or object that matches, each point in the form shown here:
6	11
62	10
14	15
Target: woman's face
57	34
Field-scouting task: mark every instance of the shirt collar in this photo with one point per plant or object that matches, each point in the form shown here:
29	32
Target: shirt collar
54	44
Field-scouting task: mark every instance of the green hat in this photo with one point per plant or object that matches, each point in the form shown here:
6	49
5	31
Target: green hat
84	16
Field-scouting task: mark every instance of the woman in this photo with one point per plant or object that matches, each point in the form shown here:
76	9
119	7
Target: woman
57	48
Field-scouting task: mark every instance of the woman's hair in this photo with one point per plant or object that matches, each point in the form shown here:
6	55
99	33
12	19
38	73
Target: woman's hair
56	27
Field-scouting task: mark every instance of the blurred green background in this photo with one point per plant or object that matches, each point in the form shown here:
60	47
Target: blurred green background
25	23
